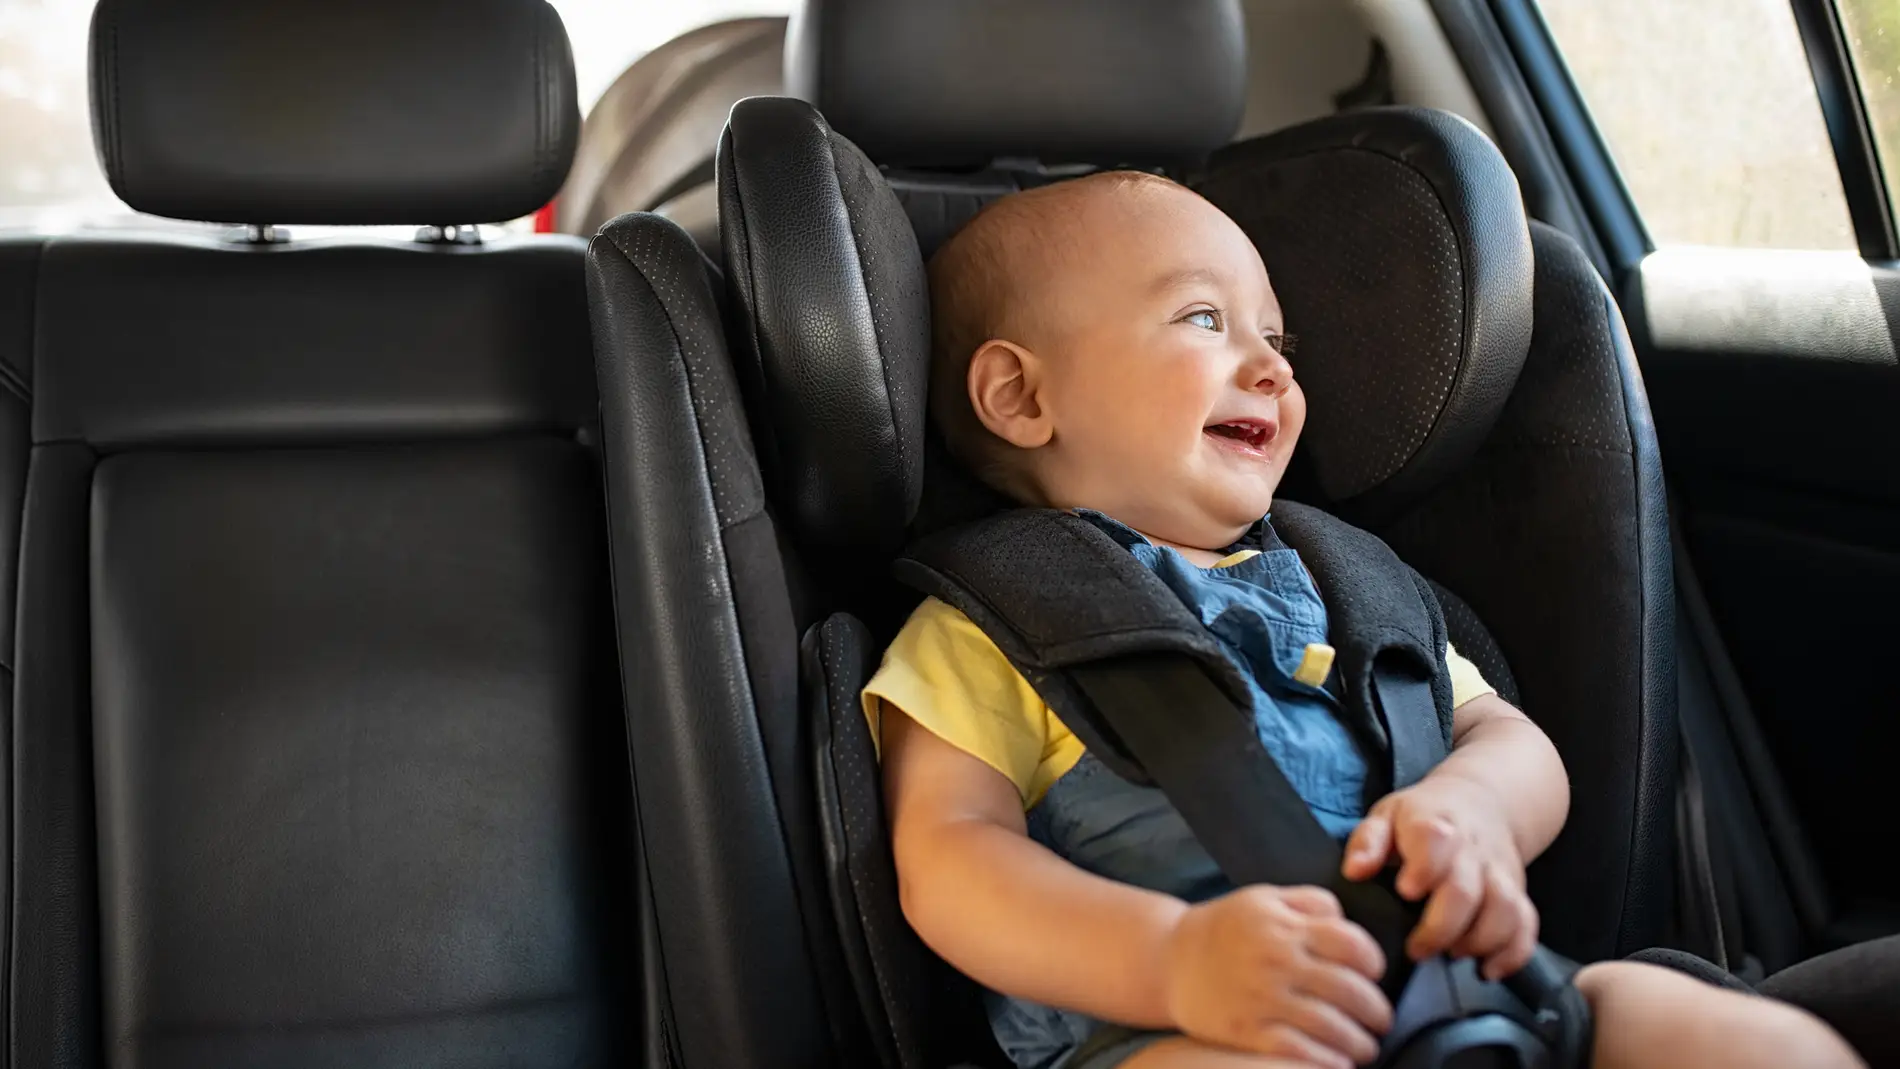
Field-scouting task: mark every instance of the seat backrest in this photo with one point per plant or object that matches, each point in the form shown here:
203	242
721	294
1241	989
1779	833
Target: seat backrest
1502	446
317	756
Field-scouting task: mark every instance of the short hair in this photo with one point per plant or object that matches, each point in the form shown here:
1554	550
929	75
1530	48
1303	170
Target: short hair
977	280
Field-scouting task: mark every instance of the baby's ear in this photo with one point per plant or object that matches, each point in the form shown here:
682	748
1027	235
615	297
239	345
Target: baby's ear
1005	382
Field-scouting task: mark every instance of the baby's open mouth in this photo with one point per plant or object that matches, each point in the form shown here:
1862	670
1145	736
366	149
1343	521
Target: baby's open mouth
1245	435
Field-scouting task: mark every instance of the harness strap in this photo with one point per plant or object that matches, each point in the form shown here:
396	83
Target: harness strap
1202	751
1406	705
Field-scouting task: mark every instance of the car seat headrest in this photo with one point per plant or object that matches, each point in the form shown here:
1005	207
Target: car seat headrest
333	111
1396	240
1397	243
832	331
928	83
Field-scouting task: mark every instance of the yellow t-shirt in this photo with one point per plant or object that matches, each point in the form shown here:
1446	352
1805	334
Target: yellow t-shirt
943	672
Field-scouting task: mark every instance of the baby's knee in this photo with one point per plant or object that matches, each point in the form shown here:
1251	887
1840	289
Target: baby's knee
1651	1016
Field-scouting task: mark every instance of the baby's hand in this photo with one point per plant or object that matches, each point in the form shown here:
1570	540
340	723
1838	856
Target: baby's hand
1279	972
1453	844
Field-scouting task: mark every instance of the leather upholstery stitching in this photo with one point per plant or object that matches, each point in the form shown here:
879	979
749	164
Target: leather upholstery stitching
18	381
11	381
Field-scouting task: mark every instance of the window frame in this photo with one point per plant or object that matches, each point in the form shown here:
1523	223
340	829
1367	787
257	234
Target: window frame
1606	199
1600	186
1845	113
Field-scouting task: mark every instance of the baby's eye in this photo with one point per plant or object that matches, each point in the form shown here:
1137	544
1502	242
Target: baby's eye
1206	319
1281	343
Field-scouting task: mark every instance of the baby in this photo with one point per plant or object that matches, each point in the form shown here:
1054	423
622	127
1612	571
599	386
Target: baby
1111	345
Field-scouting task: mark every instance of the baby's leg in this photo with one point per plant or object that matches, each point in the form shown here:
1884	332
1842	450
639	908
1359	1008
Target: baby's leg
1180	1052
1649	1017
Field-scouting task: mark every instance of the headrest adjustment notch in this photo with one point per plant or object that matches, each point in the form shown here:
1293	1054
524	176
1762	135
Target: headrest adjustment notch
258	234
452	234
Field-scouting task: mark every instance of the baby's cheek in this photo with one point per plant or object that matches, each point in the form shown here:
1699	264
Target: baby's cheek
1292	415
1154	412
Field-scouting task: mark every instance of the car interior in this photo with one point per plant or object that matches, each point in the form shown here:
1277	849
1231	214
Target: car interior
446	649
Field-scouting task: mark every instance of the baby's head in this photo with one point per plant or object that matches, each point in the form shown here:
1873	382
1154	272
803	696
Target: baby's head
1113	343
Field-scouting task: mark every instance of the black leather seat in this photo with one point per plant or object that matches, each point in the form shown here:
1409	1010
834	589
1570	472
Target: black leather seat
19	272
316	754
1474	401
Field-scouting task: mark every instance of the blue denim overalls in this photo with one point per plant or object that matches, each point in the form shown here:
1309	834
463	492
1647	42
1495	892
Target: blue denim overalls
1264	610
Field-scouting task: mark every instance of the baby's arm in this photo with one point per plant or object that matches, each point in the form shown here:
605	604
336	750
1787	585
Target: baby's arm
1263	969
1496	749
1464	833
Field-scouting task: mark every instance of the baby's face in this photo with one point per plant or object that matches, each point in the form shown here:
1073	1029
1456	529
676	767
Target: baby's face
1172	407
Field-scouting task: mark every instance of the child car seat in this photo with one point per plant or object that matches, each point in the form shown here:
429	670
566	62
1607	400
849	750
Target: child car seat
1523	478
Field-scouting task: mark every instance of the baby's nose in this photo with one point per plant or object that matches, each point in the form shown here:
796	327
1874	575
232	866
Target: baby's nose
1270	372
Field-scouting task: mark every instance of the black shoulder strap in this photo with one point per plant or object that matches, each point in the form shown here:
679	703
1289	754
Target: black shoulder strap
1390	634
1147	689
1202	751
1054	592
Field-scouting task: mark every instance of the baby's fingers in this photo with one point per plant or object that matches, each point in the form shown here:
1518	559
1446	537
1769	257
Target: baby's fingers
1313	901
1368	848
1341	942
1450	912
1329	1027
1281	1039
1516	953
1502	918
1352	993
1428	848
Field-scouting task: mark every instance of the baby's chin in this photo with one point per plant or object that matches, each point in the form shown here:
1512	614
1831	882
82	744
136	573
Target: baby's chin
1216	524
1239	505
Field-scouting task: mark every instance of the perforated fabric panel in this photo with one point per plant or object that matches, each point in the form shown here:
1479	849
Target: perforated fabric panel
1556	535
932	1015
1368	272
679	281
1475	644
1570	396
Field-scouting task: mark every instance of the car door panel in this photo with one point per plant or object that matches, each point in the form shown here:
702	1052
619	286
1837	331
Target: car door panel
1776	389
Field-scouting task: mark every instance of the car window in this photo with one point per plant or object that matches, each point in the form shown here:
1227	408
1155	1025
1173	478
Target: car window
50	179
1873	39
1710	112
